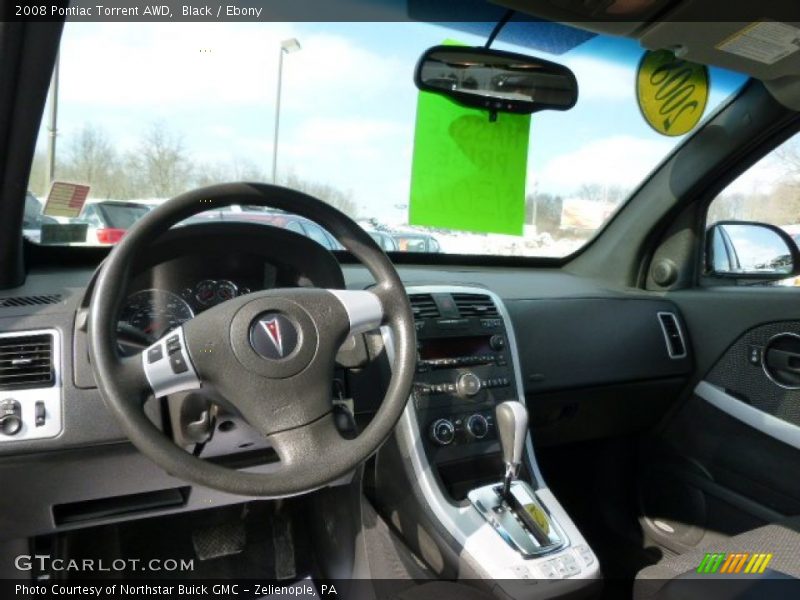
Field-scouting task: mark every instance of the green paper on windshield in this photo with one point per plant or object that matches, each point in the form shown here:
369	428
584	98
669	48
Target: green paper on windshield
468	172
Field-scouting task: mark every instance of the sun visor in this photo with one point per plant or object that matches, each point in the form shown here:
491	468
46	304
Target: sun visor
761	42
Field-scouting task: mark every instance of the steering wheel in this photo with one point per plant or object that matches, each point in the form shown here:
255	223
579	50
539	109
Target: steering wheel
271	354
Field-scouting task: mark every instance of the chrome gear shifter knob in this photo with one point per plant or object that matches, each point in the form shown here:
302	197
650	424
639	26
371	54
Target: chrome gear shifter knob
512	426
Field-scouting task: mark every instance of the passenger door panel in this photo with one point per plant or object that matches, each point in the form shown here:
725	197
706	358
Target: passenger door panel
726	460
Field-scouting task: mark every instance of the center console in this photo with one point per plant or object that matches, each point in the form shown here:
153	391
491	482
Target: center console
502	521
463	372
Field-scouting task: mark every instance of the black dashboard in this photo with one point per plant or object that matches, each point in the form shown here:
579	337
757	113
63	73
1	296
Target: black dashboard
580	394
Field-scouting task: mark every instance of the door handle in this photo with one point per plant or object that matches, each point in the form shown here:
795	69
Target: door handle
782	360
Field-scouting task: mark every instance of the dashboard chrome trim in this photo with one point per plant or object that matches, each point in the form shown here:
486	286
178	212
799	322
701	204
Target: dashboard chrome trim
770	425
512	350
27	398
479	546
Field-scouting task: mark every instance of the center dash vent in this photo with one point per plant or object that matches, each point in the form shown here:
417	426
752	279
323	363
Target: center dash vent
475	305
676	345
29	300
423	306
26	361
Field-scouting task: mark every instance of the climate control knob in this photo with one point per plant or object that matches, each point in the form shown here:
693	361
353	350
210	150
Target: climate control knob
443	432
468	384
10	417
478	426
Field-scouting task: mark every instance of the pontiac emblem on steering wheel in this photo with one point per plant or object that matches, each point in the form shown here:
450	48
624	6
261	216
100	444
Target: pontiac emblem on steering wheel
273	336
273	327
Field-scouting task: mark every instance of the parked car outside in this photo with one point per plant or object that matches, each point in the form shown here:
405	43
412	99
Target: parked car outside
417	242
33	218
108	220
294	223
384	240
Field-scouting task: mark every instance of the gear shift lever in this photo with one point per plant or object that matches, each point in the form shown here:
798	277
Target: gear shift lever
513	509
512	426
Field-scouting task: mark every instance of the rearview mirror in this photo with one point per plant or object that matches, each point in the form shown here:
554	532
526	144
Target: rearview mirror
495	80
748	250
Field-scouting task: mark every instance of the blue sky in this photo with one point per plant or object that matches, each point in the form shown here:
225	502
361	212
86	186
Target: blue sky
348	105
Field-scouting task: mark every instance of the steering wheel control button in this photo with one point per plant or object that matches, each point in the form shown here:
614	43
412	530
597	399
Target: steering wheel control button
173	345
169	376
177	362
10	417
273	336
443	432
155	354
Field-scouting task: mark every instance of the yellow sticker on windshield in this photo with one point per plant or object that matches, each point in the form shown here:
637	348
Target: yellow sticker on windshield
672	93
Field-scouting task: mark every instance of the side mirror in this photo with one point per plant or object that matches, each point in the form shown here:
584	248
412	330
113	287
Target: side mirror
495	80
748	250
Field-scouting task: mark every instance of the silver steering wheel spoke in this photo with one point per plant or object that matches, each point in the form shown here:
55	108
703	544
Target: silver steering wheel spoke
364	309
168	366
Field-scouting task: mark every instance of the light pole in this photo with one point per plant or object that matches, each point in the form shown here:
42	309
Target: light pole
287	47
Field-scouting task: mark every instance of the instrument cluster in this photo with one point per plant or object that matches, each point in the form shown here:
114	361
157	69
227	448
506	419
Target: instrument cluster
210	292
155	312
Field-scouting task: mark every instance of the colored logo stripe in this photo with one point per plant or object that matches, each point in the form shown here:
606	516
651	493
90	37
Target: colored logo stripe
738	562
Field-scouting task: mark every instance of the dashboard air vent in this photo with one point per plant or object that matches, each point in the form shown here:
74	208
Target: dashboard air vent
29	300
26	361
676	345
475	305
423	306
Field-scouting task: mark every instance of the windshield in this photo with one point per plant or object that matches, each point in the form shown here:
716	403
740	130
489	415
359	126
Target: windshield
146	111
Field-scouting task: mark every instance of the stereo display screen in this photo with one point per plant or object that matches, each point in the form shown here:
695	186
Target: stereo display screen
455	347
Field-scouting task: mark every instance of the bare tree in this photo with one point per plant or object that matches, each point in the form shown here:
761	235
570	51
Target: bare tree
244	169
326	192
544	211
212	173
239	169
591	191
163	162
789	156
596	192
160	167
92	159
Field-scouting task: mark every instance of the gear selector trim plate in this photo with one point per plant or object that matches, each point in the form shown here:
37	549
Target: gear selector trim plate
488	501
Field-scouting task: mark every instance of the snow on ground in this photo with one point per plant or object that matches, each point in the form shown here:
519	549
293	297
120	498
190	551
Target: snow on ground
530	243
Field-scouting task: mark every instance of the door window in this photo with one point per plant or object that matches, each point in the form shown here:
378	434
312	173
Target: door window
767	193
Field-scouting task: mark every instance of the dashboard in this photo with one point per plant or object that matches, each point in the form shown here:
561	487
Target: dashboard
193	268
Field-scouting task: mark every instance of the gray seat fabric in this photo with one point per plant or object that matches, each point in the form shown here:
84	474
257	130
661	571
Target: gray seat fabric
782	540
